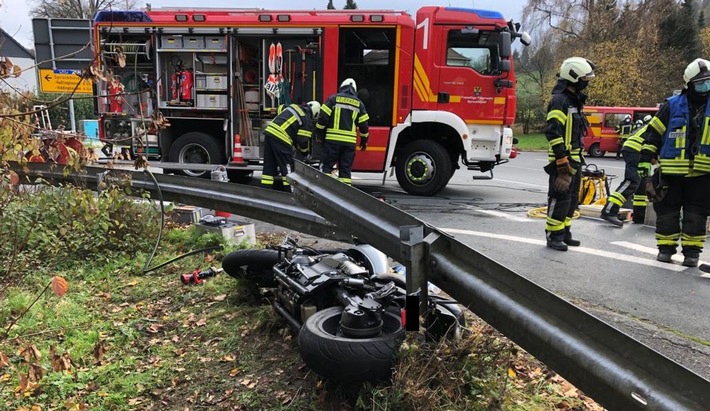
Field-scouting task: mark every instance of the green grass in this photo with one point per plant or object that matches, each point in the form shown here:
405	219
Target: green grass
531	142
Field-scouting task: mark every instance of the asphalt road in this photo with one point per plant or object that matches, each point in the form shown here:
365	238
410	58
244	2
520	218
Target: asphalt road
613	275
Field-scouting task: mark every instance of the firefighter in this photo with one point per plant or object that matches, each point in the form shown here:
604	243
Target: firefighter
623	129
677	136
564	130
290	129
633	174
340	118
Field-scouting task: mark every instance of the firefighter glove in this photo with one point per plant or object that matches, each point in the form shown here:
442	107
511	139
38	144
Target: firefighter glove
562	182
363	143
650	190
319	135
563	166
644	169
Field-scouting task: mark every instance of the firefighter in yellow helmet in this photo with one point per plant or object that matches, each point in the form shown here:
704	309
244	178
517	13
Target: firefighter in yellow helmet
564	130
678	136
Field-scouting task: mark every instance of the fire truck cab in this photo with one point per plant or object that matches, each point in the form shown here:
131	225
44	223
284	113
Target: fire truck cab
193	85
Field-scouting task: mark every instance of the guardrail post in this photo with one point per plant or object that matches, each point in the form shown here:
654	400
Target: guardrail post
413	252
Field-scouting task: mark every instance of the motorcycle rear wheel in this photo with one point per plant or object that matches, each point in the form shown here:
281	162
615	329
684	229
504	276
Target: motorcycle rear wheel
252	265
349	360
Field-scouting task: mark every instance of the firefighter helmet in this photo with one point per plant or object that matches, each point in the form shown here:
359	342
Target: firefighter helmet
627	117
575	68
349	82
315	108
699	69
647	119
639	123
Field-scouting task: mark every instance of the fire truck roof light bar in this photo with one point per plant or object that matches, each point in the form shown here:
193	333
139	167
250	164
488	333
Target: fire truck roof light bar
357	18
283	17
181	17
198	18
265	18
377	18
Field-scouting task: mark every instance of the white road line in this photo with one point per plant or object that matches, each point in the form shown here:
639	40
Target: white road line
496	179
500	214
585	250
648	250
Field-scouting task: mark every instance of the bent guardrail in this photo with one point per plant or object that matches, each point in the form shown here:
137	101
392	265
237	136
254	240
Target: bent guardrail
617	371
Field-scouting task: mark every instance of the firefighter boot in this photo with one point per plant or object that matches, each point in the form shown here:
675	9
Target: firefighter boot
555	242
665	254
569	240
612	218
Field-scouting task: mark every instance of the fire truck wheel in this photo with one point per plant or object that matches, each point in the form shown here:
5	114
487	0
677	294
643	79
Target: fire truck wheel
595	151
349	360
423	167
196	147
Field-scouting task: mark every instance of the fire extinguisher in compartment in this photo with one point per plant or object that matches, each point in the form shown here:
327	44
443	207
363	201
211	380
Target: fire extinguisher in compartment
186	86
115	95
181	82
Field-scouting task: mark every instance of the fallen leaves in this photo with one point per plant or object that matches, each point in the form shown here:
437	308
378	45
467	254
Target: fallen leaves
59	285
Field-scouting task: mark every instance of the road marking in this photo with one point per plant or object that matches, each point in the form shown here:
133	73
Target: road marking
584	250
650	250
499	214
495	180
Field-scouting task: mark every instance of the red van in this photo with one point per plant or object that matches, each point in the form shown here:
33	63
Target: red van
601	137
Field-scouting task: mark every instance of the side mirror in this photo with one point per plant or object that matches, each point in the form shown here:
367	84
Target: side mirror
515	140
525	38
505	49
504	66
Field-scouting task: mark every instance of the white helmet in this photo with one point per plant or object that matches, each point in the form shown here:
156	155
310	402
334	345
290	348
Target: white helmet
639	123
627	117
699	69
349	82
647	119
574	68
315	108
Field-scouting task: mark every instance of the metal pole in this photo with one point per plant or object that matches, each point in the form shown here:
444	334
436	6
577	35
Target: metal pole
71	115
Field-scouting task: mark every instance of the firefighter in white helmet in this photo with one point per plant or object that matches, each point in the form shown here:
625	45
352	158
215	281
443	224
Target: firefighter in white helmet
677	137
291	129
564	131
341	117
623	129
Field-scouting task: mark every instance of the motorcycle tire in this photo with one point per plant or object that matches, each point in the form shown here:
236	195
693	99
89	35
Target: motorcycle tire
349	360
253	265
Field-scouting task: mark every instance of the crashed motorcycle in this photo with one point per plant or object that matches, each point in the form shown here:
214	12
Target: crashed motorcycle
346	306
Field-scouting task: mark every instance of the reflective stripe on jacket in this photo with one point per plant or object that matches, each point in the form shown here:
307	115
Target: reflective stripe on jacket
290	124
342	115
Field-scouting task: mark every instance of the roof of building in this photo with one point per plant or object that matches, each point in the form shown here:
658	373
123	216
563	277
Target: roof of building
9	47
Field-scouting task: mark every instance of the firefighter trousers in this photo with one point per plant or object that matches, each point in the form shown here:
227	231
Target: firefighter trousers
341	153
682	214
630	185
278	160
561	206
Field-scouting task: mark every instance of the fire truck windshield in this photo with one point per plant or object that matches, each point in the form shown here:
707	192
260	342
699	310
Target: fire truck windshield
475	49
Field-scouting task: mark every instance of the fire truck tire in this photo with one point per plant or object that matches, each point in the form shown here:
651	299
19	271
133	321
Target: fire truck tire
595	151
423	167
349	360
196	147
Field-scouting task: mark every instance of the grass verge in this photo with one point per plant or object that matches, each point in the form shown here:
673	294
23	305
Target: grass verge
532	142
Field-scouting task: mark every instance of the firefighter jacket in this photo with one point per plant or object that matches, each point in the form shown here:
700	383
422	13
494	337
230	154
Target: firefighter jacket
566	124
635	141
679	136
292	125
341	114
624	128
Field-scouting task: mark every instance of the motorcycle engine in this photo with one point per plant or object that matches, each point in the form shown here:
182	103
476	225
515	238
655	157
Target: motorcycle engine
303	281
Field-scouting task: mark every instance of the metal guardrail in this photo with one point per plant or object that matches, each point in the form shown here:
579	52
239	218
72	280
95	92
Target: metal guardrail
617	371
265	205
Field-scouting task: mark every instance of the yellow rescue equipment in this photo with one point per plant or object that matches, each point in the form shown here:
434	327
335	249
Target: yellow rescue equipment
594	187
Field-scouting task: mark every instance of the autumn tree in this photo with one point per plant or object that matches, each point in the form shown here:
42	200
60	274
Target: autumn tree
76	9
350	5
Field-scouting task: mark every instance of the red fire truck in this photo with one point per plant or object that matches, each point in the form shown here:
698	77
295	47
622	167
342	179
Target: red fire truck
440	90
601	133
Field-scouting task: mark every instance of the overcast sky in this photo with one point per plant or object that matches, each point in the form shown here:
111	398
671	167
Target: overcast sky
16	21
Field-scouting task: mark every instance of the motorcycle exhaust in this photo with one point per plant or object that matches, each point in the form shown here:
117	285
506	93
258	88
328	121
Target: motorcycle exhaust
290	320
